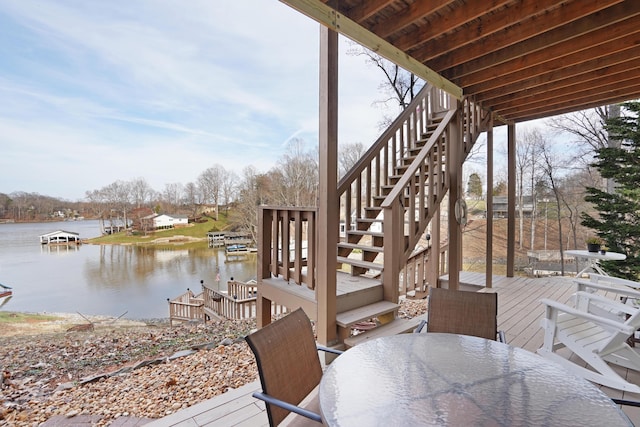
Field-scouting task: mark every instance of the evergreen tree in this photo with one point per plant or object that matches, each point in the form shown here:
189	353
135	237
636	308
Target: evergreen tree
618	222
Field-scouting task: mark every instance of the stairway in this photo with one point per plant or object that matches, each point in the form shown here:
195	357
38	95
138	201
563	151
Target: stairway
386	202
406	169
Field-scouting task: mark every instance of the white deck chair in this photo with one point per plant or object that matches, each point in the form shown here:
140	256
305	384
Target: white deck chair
595	339
616	288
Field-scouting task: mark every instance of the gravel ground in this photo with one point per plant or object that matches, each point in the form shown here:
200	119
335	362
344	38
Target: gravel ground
124	368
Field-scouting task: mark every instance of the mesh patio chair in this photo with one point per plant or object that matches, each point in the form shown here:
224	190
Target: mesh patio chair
289	367
463	312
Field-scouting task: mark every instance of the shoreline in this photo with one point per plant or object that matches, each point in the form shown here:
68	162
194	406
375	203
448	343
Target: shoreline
17	323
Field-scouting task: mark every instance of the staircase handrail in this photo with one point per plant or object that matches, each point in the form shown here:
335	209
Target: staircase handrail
396	192
383	140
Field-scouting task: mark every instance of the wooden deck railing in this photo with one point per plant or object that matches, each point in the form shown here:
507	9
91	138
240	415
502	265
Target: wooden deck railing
288	244
237	303
422	269
232	306
186	307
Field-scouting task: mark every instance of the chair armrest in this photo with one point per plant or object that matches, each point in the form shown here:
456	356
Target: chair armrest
623	308
602	321
328	349
288	406
626	402
420	326
609	287
598	278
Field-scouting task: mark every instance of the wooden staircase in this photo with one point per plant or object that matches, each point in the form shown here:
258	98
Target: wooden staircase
387	201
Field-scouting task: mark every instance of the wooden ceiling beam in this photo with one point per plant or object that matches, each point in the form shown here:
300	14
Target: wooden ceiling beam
484	28
551	83
449	22
411	14
587	100
551	58
548	95
336	21
364	11
605	55
581	34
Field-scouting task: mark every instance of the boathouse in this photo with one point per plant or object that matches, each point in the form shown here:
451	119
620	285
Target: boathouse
60	236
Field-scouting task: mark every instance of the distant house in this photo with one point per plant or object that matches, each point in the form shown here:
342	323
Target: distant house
500	206
60	236
164	221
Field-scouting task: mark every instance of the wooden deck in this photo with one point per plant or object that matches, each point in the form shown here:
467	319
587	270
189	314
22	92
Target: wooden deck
519	313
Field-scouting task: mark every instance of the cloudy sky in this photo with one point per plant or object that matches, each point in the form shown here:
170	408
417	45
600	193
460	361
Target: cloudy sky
97	91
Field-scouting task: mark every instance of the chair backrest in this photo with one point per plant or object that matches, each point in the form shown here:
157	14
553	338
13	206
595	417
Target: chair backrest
463	312
288	361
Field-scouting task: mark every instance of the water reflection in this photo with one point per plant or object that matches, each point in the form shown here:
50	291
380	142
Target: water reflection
105	279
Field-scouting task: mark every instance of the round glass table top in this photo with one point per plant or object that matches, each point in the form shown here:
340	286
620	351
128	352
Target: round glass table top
444	379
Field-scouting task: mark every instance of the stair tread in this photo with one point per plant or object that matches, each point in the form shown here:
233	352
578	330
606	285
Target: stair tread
349	318
365	233
361	247
395	327
360	263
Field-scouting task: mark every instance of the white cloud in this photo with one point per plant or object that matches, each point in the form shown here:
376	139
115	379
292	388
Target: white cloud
94	92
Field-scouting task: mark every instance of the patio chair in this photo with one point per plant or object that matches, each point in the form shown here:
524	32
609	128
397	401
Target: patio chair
626	291
596	339
289	368
463	312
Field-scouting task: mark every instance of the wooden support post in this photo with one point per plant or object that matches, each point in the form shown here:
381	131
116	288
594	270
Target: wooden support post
328	206
489	208
455	171
511	200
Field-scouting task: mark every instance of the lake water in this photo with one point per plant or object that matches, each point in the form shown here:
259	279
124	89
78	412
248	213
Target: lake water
103	279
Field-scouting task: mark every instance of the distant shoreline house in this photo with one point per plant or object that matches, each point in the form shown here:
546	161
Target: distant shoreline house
165	221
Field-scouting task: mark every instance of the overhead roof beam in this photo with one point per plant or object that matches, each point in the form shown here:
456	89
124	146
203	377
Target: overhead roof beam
336	21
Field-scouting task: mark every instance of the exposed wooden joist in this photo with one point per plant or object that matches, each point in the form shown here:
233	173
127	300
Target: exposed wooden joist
581	34
483	27
598	98
599	81
413	13
608	56
624	31
365	10
538	30
345	26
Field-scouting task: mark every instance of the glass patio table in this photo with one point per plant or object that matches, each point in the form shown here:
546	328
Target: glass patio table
593	258
445	379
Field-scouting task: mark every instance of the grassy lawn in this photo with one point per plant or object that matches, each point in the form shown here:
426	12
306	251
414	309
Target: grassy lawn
197	230
11	317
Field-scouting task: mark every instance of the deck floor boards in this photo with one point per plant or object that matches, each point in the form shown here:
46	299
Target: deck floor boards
519	314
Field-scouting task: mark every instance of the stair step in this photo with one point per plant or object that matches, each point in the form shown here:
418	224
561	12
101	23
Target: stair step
359	263
395	327
365	233
349	318
364	248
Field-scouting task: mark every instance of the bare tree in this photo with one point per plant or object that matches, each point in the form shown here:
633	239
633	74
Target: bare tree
527	158
296	176
141	192
229	184
210	183
588	129
399	86
245	216
348	156
191	197
551	165
172	194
